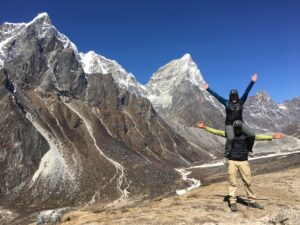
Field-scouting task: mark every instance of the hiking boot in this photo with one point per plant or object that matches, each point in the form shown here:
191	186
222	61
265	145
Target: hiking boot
255	205
233	207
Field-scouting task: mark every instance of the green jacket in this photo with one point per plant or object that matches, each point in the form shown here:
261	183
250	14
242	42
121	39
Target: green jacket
258	137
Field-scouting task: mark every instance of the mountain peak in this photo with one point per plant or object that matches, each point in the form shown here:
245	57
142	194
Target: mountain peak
174	74
262	94
262	97
40	18
186	57
42	15
177	70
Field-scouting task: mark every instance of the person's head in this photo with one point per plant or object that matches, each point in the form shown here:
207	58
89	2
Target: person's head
238	127
233	96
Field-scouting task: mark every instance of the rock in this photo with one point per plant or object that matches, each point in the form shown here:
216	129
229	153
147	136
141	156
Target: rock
51	217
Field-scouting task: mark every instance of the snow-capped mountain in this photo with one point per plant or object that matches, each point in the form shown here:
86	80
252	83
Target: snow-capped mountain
176	94
94	63
163	83
175	91
71	136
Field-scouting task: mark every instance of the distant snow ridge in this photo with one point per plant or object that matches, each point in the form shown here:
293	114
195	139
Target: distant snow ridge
94	63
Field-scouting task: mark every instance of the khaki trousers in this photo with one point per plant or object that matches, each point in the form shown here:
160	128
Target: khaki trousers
244	169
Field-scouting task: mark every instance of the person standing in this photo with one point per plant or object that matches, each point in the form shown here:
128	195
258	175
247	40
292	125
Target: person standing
237	159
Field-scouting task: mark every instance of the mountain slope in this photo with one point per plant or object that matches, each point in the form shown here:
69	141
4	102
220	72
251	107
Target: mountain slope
78	138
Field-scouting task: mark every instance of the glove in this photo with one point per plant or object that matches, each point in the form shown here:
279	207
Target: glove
225	160
250	154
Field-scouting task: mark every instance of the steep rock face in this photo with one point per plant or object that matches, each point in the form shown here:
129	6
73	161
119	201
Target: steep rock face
22	147
77	137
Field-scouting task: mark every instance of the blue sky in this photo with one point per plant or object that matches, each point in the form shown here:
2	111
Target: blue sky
229	40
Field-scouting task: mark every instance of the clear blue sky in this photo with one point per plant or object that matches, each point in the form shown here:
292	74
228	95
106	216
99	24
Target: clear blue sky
229	40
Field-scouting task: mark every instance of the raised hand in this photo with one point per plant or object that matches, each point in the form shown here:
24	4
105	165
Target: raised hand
254	77
205	86
201	125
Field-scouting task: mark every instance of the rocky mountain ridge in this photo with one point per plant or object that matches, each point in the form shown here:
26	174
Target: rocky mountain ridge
182	81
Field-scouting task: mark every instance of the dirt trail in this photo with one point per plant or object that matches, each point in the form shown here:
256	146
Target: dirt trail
279	193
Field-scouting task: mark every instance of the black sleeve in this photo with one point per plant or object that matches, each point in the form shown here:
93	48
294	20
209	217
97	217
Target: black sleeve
245	95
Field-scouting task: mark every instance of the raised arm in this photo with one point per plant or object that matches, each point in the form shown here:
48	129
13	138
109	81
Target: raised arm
262	137
211	130
258	137
216	131
220	99
245	95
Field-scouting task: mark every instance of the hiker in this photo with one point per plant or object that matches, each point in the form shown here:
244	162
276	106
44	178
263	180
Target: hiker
234	109
236	158
258	137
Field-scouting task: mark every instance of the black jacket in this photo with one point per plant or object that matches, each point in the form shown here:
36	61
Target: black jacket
233	110
241	146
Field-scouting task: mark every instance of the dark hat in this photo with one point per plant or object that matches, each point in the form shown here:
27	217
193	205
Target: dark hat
237	123
232	93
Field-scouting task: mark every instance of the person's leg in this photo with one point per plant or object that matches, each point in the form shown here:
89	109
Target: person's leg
247	130
245	172
232	175
229	132
250	133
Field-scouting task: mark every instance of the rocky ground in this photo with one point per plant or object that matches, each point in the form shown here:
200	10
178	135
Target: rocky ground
279	193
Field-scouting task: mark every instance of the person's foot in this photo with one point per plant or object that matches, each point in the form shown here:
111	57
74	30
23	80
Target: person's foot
233	207
255	205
